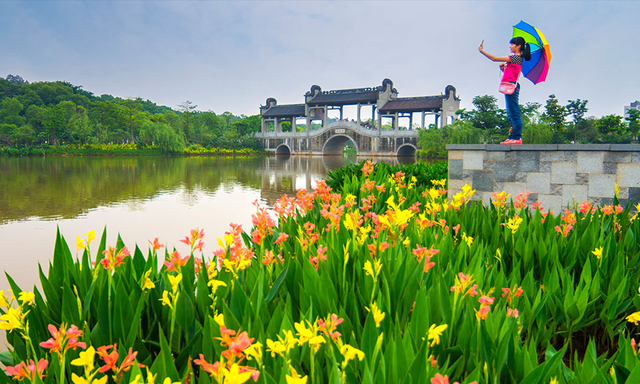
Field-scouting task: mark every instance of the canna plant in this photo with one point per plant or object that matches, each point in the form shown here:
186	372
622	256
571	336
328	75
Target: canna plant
378	278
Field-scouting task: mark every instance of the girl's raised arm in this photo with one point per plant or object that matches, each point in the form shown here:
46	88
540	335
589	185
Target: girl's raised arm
490	56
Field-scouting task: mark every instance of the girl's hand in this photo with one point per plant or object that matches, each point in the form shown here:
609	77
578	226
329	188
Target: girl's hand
503	66
481	46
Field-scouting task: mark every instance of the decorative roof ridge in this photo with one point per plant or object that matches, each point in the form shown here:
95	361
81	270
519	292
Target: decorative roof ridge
418	98
351	90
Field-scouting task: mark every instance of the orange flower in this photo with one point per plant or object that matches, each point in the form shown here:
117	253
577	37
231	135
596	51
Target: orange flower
156	244
176	261
113	259
63	339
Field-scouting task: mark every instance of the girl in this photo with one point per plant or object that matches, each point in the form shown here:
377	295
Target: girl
512	66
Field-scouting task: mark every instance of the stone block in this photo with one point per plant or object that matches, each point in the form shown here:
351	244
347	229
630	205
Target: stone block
590	162
582	178
504	170
563	172
551	202
486	199
454	187
571	156
552	156
556	189
584	147
539	182
466	147
545	167
483	181
617	157
513	189
625	147
521	177
473	160
574	193
455	155
535	147
528	162
495	155
498	147
634	195
624	193
629	175
455	169
602	186
609	168
635	157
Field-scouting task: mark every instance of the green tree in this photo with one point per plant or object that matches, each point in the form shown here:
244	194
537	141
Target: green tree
577	109
634	122
611	125
80	128
10	109
187	109
554	116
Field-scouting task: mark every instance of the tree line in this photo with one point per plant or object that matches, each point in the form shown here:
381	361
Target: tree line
54	113
552	124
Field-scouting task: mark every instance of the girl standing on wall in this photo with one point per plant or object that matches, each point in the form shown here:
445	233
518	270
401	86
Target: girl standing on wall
511	67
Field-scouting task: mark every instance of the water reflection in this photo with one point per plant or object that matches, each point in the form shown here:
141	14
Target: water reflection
139	197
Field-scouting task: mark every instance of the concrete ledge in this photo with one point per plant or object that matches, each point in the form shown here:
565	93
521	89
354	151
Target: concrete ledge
546	147
555	174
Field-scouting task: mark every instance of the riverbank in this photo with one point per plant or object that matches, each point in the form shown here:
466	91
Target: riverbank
122	150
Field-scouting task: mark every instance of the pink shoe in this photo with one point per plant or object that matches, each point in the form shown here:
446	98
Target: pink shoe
512	142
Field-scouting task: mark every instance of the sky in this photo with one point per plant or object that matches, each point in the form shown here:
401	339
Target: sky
233	55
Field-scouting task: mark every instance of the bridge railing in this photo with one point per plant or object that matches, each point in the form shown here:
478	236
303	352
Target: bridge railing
341	124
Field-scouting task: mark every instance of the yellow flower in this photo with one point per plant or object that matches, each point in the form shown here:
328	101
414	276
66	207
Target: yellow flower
467	239
219	319
378	315
364	234
85	359
79	380
304	334
514	223
79	243
91	235
295	378
435	333
233	375
168	381
137	380
12	319
165	299
215	284
617	189
406	242
632	318
26	297
598	252
553	381
350	353
4	300
373	269
148	284
276	348
175	280
254	351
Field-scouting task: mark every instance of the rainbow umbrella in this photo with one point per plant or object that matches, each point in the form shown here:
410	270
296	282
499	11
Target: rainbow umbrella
535	69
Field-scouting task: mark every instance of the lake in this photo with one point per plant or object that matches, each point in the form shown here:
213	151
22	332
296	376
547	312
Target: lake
140	198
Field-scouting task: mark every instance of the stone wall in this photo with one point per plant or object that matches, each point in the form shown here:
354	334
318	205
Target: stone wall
556	175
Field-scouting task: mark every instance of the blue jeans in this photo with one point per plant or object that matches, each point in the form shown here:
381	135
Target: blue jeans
513	113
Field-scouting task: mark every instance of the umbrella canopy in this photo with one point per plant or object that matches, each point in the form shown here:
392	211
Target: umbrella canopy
535	69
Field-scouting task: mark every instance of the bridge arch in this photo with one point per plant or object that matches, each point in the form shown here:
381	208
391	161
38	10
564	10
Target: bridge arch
336	143
406	149
283	150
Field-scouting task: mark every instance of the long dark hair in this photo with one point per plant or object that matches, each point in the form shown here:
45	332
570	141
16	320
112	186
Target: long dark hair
525	49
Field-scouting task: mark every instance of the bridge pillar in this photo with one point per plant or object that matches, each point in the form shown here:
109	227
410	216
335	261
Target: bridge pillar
359	105
422	122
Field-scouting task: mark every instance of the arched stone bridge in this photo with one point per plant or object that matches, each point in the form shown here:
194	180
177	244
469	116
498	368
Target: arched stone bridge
331	139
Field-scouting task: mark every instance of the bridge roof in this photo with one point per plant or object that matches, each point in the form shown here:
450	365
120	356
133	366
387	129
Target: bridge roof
344	97
285	110
413	104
